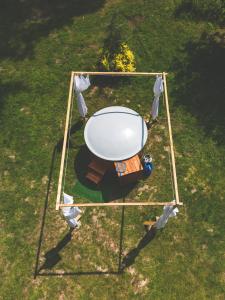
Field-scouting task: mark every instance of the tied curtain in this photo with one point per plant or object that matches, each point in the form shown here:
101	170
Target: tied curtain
157	89
81	83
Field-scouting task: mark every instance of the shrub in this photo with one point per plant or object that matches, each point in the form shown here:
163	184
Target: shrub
121	60
116	54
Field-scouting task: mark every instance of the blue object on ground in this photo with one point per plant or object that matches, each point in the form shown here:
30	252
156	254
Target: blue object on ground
148	167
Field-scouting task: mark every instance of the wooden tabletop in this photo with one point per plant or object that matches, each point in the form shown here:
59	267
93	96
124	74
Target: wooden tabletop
128	166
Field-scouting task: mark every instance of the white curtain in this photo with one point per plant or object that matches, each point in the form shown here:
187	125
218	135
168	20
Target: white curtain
72	223
168	212
157	89
70	213
81	83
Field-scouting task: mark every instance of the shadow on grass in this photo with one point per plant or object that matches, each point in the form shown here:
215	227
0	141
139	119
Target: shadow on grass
200	82
108	190
129	259
57	149
212	11
9	88
45	210
109	81
52	257
72	130
22	23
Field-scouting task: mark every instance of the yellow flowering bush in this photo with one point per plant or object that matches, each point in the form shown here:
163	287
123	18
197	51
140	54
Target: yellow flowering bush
122	60
105	62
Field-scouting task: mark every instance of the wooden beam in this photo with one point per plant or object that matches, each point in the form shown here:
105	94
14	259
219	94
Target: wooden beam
120	204
64	143
171	142
118	73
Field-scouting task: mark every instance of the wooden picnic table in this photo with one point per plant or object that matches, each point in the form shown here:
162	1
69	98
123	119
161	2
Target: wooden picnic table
129	170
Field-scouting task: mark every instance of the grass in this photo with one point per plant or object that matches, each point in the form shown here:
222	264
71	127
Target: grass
183	261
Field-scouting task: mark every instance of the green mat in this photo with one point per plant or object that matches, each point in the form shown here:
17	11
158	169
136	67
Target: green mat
83	192
110	191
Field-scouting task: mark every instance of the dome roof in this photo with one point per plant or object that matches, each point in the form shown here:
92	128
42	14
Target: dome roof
115	133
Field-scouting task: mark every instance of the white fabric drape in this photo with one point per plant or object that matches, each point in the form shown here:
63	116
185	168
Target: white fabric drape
81	83
70	213
168	212
72	223
157	89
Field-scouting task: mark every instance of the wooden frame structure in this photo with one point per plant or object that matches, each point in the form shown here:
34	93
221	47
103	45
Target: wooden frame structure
174	202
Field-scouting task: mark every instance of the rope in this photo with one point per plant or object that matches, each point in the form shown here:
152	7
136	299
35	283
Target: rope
163	98
68	141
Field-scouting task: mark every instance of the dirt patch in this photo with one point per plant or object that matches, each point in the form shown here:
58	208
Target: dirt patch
158	138
139	284
193	190
108	242
25	110
135	21
12	157
58	61
93	90
132	271
143	189
62	296
32	184
108	5
166	148
44	179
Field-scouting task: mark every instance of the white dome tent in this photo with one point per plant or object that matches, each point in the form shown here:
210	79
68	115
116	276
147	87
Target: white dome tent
115	133
113	126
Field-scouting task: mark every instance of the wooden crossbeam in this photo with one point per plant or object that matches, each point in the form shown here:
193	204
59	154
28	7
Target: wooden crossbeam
59	192
120	204
118	73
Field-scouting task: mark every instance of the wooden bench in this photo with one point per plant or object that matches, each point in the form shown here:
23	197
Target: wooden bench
98	166
96	170
94	176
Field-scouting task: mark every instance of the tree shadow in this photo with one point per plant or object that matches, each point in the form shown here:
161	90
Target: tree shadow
9	88
129	259
198	10
109	187
200	82
22	23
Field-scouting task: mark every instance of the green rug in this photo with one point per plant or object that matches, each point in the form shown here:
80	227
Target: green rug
83	192
110	190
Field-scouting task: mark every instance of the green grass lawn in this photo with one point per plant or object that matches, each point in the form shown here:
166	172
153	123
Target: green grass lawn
41	44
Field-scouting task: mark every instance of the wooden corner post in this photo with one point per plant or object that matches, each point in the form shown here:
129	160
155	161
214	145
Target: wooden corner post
171	142
59	192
